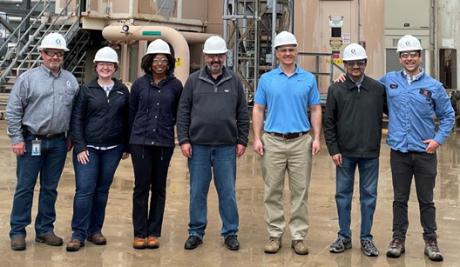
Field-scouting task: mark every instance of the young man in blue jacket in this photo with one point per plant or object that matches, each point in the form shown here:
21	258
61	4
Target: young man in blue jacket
414	100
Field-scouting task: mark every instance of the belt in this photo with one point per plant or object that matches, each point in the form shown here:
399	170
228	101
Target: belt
45	136
287	135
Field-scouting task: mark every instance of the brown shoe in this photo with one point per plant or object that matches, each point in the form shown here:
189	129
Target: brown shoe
273	245
139	243
97	239
153	242
299	247
50	239
18	243
74	245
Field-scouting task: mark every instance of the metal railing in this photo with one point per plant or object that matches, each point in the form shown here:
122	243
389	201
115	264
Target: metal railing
317	71
17	31
30	48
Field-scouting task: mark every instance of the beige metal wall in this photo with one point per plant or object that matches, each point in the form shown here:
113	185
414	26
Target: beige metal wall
448	31
363	21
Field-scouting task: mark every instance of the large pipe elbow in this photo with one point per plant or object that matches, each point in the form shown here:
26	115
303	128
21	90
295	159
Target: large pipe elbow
116	33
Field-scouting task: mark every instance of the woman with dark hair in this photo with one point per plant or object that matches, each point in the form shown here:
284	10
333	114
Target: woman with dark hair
99	129
152	112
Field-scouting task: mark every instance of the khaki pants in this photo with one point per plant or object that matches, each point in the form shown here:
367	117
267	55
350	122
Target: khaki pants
293	155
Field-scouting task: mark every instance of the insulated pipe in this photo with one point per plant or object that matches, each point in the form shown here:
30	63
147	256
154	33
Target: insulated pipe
176	39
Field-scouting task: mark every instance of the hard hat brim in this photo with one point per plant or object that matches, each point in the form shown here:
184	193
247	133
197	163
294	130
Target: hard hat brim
215	52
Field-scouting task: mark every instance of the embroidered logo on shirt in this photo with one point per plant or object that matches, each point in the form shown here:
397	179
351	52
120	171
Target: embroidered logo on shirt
393	86
425	92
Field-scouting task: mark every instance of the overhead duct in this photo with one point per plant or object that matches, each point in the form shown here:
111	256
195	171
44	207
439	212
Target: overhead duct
178	40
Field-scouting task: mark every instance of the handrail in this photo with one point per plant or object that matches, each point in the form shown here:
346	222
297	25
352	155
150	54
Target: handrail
331	69
24	35
45	33
24	20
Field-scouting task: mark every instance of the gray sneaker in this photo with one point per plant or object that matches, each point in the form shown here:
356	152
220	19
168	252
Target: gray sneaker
340	245
396	248
368	248
432	250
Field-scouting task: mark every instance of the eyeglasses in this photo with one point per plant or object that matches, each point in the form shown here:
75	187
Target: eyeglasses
106	64
53	53
285	50
412	54
160	62
215	55
352	63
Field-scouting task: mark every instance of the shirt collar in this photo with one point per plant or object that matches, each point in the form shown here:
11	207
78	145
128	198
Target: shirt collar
357	83
297	70
48	71
410	79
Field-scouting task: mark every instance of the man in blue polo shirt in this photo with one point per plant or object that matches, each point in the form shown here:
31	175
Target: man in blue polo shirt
414	100
287	93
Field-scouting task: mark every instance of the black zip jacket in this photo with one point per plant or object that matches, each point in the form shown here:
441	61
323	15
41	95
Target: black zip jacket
213	113
99	120
153	110
353	118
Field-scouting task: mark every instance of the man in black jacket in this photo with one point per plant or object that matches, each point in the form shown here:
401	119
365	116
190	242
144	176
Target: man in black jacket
213	126
353	126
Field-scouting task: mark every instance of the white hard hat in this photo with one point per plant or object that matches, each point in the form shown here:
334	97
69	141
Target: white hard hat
284	38
158	47
106	54
53	41
408	43
354	52
215	45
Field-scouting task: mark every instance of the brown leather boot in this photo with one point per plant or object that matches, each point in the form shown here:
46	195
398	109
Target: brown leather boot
139	243
153	242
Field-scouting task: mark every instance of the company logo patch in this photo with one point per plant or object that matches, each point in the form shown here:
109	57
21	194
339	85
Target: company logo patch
425	92
393	86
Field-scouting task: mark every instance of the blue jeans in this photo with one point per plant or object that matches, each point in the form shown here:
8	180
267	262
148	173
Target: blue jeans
222	159
50	165
93	181
345	176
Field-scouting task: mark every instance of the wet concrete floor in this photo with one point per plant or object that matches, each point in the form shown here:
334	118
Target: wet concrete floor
252	235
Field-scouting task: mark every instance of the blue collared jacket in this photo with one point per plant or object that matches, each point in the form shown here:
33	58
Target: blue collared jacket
412	109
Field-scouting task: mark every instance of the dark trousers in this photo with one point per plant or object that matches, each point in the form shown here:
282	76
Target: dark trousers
150	165
421	166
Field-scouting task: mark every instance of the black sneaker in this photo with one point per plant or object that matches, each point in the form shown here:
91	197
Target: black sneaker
432	250
396	248
368	248
340	245
231	242
193	242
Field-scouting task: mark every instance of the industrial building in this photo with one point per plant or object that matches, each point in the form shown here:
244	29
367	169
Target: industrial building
322	27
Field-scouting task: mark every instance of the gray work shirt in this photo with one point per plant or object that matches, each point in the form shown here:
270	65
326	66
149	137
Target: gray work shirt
40	103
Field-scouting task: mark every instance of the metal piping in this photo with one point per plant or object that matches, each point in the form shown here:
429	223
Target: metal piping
178	41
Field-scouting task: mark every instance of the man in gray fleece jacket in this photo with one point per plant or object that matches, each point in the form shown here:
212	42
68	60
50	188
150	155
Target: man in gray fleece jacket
213	126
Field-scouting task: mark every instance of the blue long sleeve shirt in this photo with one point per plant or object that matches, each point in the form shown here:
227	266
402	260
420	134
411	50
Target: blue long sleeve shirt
412	109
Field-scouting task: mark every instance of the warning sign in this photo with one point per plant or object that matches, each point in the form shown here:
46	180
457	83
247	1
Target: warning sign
335	43
178	62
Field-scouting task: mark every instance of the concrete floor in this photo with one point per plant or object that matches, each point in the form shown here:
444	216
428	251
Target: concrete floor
252	235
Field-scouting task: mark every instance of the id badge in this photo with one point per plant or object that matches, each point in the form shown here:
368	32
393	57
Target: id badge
36	147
